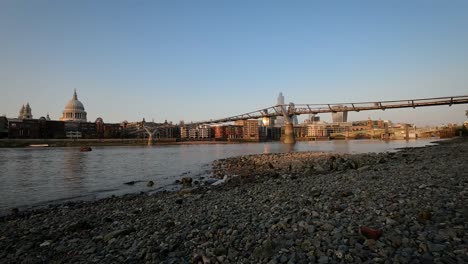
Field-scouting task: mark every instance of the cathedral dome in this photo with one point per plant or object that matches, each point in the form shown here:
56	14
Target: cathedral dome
74	104
74	110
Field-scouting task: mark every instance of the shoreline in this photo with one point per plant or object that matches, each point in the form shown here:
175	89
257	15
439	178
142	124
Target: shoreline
303	213
53	143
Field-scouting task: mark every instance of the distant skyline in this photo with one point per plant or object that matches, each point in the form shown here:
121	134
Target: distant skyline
196	60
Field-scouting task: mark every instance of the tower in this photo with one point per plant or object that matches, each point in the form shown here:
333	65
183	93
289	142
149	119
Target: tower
280	119
25	112
28	112
280	99
21	112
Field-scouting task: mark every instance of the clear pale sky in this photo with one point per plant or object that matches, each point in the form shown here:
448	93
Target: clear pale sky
196	60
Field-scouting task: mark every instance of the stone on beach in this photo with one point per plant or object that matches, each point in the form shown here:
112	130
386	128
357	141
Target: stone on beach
186	181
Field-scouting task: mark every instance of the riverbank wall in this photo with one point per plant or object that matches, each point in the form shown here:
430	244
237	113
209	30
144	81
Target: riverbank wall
404	207
11	143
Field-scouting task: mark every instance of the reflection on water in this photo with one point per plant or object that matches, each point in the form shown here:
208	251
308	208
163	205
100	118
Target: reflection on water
266	148
30	176
341	146
74	168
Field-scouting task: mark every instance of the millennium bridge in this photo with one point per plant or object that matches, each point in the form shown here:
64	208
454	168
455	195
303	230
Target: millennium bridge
290	110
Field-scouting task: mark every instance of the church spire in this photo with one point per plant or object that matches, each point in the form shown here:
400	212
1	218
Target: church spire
21	113
75	97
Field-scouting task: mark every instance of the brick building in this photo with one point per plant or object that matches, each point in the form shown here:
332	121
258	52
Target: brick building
250	129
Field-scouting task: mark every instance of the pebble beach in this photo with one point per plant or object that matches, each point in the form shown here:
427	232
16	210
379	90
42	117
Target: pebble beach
409	206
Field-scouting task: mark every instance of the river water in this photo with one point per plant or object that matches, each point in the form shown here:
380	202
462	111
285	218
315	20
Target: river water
36	176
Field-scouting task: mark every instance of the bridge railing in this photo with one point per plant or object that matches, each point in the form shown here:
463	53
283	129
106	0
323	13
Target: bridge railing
378	105
300	109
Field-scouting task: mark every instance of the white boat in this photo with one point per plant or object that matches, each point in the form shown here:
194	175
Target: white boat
39	145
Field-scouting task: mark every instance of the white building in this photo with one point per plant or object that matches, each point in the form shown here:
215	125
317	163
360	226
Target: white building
204	131
74	110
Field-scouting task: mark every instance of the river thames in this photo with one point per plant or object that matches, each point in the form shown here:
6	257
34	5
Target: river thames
37	176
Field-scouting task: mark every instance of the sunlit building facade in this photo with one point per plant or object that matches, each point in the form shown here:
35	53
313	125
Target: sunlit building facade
74	110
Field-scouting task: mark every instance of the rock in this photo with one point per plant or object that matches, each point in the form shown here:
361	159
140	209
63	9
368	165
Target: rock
346	193
220	251
349	258
79	226
90	250
150	184
218	182
435	247
206	259
315	192
363	168
169	224
389	221
327	227
352	164
394	240
371	233
369	242
210	181
118	233
339	254
186	181
318	168
186	191
266	250
424	216
323	260
45	243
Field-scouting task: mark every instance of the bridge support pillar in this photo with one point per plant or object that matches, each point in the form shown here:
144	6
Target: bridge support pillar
406	131
150	140
289	134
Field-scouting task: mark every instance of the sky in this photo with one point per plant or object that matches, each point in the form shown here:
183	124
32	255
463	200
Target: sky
197	60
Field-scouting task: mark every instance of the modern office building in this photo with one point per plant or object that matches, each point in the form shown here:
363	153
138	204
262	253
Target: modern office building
280	119
340	117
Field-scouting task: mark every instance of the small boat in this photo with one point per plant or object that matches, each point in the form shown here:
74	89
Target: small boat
85	149
39	145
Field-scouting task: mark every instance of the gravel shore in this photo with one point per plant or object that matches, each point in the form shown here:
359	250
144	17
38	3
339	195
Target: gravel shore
404	207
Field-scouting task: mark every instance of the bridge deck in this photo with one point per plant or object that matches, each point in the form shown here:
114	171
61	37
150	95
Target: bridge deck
300	109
